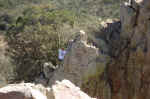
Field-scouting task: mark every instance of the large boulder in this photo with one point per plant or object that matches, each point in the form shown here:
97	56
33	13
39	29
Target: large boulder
60	90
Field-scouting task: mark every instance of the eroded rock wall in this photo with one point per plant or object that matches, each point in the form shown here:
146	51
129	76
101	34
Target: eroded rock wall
129	72
125	69
119	67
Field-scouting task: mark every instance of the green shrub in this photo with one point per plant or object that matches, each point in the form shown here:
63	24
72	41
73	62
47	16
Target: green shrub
36	38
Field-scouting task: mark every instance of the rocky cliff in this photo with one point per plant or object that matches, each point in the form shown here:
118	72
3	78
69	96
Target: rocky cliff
121	72
52	21
80	62
115	65
127	74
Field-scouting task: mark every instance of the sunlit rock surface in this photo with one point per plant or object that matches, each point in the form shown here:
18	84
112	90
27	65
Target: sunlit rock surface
60	90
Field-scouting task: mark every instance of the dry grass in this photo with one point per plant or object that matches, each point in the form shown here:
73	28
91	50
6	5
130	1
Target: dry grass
6	68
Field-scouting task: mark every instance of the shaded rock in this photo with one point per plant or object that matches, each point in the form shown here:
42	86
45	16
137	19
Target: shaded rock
128	73
40	80
46	74
3	26
48	69
135	4
127	17
110	39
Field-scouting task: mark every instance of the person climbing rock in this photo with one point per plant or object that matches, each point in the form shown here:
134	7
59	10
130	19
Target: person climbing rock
61	54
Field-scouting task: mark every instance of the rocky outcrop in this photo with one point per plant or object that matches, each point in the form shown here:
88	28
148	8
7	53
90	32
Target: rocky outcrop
123	71
128	73
84	65
116	66
67	90
60	90
46	74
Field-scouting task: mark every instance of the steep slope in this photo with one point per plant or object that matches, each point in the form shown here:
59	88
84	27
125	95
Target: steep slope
128	71
29	25
100	8
126	74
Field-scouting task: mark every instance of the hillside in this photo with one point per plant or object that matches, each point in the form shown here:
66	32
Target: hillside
107	49
99	8
47	25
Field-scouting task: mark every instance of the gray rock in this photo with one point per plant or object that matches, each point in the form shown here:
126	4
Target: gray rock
128	17
60	90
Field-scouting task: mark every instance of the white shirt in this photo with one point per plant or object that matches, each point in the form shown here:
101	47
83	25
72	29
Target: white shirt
61	54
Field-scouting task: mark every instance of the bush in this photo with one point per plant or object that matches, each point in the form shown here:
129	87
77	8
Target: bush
36	38
6	67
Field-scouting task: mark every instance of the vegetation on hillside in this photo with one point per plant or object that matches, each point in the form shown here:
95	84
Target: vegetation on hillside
36	37
36	29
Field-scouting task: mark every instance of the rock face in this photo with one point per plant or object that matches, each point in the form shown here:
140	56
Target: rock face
83	65
67	90
125	74
118	69
46	74
80	62
60	90
128	73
